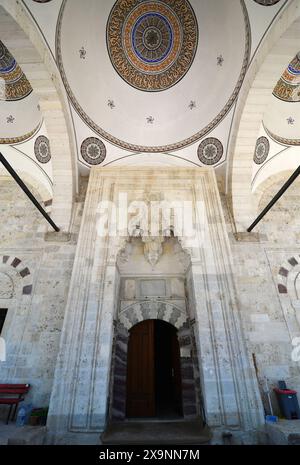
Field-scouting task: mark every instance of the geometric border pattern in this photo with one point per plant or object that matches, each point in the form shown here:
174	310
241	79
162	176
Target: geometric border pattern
18	140
282	140
153	310
161	148
267	2
23	271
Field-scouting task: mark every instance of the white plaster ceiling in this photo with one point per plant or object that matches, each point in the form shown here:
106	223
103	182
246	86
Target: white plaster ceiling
19	119
93	80
282	116
282	121
20	115
22	157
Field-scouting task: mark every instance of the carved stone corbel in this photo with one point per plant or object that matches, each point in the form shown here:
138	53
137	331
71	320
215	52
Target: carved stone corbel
153	249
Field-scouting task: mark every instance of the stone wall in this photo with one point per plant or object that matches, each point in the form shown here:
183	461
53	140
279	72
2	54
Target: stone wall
35	276
265	271
38	273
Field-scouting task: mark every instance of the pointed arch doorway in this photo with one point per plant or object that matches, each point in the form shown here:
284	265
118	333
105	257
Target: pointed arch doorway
153	371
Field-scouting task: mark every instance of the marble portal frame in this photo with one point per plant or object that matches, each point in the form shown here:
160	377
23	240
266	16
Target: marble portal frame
79	400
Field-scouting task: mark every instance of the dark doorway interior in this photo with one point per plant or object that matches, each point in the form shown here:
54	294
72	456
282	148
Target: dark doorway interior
3	313
153	371
167	370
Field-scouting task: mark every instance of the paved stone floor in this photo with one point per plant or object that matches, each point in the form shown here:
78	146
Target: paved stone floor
7	431
174	432
284	432
12	435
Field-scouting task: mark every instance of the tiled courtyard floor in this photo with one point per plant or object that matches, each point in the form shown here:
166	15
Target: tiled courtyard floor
7	431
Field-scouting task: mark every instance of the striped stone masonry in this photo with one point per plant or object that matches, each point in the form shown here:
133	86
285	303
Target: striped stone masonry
23	271
284	272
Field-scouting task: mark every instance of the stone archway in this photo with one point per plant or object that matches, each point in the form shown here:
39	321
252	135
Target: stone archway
16	290
268	188
156	310
288	285
35	59
272	58
15	264
43	195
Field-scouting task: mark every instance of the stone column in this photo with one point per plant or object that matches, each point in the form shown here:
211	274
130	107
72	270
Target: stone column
80	389
228	380
119	374
189	403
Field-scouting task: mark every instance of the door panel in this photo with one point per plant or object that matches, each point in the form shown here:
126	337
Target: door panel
176	374
140	371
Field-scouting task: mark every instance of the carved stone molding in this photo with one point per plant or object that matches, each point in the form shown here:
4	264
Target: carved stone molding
152	309
153	249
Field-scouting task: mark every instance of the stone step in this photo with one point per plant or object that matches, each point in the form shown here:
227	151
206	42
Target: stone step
284	432
160	432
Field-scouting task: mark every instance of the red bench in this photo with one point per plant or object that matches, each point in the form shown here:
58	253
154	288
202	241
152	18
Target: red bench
12	395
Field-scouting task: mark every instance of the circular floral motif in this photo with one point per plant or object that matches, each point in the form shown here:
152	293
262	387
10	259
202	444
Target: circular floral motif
42	149
210	151
152	38
262	149
152	44
93	151
267	2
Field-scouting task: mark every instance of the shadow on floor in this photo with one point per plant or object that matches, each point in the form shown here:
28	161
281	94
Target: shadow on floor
6	431
13	435
151	432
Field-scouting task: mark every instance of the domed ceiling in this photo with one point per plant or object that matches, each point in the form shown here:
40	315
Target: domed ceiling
149	82
13	83
288	86
153	76
152	45
19	113
282	117
22	139
277	146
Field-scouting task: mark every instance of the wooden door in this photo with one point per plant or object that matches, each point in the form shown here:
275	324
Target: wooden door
141	371
176	374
